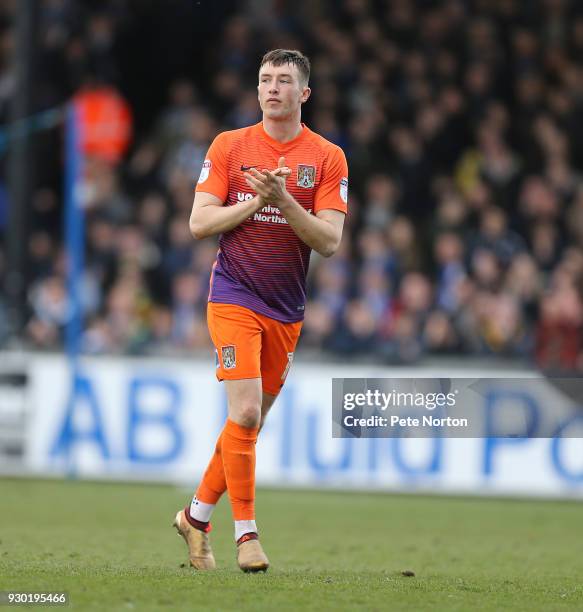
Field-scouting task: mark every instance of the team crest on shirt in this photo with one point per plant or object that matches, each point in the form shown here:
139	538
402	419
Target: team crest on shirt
229	357
306	176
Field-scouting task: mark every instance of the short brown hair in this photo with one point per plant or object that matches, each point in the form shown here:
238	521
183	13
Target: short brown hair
279	57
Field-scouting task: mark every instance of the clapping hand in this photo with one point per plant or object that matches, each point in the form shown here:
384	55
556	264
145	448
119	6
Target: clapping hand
270	184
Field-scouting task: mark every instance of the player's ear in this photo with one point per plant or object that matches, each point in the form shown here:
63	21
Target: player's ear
305	94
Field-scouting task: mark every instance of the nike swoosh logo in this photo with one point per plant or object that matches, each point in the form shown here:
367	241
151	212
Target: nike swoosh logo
246	168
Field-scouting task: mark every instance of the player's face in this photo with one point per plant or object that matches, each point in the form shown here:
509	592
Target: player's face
281	91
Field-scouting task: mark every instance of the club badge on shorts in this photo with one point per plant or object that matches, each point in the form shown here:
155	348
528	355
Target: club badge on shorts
306	176
229	357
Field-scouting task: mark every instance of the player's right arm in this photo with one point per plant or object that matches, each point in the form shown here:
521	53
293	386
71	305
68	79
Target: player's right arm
209	217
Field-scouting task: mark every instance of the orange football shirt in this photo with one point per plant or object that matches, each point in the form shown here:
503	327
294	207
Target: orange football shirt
262	264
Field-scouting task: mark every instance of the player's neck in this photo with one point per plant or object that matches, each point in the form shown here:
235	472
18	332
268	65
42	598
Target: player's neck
282	131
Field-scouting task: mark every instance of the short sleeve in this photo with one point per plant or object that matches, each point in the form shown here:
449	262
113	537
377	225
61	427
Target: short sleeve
333	189
214	176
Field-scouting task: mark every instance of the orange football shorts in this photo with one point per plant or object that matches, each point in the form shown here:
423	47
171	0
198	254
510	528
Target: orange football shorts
251	345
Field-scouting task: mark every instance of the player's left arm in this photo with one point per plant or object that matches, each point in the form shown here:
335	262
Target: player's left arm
322	231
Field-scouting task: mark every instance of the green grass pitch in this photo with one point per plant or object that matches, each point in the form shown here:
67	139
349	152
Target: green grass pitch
112	548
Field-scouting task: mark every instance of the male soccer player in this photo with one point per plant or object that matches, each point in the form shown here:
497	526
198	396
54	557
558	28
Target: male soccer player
269	221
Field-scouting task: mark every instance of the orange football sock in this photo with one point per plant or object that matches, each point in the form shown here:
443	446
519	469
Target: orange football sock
213	483
238	451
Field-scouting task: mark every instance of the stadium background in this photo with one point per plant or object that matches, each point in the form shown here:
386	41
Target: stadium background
462	256
462	125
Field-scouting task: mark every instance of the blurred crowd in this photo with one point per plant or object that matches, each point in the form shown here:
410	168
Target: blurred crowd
462	122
